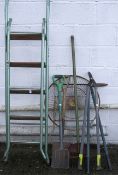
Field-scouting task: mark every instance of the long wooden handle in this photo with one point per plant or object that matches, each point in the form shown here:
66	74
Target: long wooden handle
75	87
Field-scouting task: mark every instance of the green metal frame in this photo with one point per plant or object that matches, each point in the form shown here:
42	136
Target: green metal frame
47	77
44	81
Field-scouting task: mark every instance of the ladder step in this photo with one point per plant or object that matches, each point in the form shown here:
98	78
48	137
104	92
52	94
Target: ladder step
25	91
27	64
25	36
24	124
15	117
24	142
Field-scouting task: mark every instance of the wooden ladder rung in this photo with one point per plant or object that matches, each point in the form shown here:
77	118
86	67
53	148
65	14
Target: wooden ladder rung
15	117
27	64
25	91
25	36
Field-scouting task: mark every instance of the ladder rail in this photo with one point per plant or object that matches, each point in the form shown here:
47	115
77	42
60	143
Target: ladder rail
6	79
7	88
47	77
6	16
42	87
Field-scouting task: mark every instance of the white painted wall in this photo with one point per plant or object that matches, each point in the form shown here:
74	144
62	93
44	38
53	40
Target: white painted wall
94	24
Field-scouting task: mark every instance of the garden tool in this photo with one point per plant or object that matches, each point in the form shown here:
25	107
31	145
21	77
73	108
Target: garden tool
100	124
75	89
61	155
86	118
97	122
88	132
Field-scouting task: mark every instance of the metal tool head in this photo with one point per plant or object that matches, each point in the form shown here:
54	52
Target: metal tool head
101	84
60	159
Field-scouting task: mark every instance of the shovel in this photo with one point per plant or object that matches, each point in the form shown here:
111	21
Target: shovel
60	157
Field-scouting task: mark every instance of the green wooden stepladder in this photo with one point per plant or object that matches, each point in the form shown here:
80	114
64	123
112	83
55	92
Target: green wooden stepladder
43	65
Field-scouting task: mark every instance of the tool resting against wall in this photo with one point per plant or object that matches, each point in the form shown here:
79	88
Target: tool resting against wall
60	158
